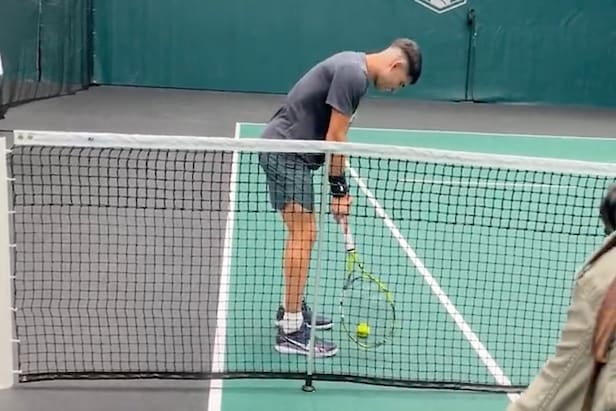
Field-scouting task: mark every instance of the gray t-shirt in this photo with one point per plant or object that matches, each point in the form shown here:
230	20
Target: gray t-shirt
339	81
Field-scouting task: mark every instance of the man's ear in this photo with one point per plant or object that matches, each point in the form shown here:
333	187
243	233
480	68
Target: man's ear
398	64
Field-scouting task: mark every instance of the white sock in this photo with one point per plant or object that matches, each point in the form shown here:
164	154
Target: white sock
292	322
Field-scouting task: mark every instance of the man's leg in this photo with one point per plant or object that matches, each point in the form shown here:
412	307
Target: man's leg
294	334
301	233
290	188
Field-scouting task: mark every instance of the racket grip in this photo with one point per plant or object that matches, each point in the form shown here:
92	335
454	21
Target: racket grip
348	237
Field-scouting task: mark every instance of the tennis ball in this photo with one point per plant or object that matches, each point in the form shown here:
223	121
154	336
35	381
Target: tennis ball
363	330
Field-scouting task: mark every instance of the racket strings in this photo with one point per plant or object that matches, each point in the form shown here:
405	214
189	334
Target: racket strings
367	300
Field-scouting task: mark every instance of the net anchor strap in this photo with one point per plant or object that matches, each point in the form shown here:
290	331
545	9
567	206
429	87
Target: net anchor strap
324	185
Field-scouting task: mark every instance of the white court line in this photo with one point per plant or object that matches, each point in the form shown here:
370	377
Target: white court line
218	356
492	184
470	133
483	133
480	349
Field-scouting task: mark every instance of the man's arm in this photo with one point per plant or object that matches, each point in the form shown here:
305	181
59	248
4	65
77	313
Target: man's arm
347	88
337	131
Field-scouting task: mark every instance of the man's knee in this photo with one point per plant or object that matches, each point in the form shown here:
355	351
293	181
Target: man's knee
300	222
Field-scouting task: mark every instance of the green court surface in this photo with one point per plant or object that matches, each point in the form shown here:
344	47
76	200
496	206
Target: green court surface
256	274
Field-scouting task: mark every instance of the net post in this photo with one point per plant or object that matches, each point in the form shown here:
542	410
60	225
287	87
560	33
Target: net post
6	323
308	384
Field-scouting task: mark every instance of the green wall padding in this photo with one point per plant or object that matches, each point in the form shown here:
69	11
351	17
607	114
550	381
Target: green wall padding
66	35
545	51
264	46
19	48
524	51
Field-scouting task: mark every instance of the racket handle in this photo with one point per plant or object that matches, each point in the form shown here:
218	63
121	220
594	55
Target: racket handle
348	237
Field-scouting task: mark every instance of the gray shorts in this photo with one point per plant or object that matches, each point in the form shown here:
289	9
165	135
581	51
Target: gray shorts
289	179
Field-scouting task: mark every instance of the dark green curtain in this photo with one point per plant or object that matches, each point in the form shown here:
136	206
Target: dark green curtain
45	47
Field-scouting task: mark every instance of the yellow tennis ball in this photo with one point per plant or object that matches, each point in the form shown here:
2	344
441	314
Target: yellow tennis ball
363	330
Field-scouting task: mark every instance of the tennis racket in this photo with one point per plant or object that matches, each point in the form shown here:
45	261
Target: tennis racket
365	299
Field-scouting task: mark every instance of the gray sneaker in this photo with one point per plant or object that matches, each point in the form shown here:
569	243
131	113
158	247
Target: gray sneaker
298	342
322	322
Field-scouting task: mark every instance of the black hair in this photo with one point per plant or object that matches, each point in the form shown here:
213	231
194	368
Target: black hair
607	209
413	56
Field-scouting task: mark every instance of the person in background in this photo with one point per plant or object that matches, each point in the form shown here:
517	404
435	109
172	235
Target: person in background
581	374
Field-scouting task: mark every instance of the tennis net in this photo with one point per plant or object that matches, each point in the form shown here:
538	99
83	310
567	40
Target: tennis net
161	257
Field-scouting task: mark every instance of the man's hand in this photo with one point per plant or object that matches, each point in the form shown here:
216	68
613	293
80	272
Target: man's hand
341	206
